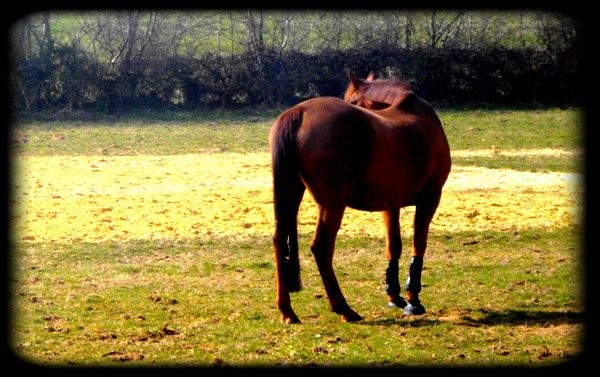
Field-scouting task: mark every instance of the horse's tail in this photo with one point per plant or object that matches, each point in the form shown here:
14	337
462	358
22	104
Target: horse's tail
288	190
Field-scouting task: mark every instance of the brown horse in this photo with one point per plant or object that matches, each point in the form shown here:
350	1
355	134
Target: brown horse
381	149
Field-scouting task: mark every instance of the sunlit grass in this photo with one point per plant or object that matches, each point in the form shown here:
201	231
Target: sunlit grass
97	198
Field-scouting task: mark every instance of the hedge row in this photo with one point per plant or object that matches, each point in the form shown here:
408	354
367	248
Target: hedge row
68	78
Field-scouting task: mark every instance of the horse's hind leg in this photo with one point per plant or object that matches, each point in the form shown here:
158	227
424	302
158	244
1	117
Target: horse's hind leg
424	212
322	247
393	251
285	242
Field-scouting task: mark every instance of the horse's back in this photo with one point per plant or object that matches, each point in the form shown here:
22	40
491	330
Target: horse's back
369	160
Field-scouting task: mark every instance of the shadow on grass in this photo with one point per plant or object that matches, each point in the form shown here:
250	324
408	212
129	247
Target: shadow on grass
522	317
481	317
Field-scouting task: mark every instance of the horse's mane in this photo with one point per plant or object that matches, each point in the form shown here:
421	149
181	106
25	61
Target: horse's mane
391	91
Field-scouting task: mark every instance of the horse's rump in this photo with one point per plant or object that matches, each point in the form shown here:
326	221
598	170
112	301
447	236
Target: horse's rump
367	160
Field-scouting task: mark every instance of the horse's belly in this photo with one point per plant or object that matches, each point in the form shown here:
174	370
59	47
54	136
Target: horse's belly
370	207
373	199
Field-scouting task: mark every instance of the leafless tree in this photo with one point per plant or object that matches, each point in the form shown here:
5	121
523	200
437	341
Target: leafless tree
555	31
442	27
330	31
32	39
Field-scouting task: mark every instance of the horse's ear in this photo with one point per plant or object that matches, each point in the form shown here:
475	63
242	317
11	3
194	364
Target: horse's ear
356	82
371	76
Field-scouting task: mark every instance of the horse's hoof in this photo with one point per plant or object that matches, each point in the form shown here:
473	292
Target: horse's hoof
352	316
290	319
411	309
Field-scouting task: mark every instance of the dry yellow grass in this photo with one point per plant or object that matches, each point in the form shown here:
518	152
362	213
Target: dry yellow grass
100	198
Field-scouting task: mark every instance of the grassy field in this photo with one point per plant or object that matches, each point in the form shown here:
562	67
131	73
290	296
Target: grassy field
148	243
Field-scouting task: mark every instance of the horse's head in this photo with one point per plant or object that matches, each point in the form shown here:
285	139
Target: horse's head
376	94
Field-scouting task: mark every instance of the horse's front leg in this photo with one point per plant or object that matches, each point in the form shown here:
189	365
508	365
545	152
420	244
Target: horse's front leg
393	252
423	215
322	247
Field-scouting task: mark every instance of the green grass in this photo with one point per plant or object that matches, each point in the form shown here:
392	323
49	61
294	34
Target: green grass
514	129
130	139
173	133
502	301
493	298
539	164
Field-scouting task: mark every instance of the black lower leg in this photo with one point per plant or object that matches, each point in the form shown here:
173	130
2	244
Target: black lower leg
413	283
392	284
